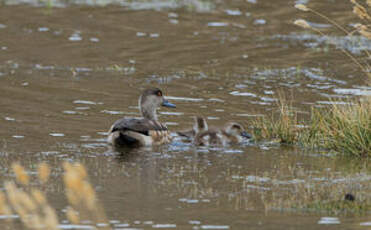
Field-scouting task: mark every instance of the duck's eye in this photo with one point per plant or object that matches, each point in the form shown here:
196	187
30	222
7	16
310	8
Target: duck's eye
159	93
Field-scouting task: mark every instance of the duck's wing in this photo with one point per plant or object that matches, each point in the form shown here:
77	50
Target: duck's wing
143	126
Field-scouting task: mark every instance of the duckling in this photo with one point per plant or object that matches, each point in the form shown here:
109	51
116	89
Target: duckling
230	133
146	131
200	125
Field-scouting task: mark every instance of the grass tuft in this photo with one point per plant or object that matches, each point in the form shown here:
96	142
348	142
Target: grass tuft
344	128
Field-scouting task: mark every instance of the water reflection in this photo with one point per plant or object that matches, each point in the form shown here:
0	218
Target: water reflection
64	81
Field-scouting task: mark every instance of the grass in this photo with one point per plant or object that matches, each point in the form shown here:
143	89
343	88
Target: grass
281	126
33	208
341	128
344	128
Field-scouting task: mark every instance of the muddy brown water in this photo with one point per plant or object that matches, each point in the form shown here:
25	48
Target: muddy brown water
68	72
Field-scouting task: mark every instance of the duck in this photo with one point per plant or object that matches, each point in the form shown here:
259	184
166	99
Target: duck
231	133
145	131
200	125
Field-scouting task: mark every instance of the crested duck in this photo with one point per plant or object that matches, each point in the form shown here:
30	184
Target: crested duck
199	125
146	131
230	133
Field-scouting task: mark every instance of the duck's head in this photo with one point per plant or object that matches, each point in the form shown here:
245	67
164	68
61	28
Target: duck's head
236	129
150	100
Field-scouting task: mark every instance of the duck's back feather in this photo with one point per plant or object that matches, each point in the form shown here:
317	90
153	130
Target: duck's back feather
137	132
142	126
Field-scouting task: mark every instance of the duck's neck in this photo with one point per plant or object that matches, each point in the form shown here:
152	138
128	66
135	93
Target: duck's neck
147	110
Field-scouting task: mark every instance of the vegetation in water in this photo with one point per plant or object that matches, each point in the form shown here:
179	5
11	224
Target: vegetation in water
344	127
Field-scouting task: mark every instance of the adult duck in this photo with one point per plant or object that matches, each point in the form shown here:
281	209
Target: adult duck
145	131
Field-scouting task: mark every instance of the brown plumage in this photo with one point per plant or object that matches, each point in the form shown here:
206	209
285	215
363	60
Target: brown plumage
132	132
230	133
202	135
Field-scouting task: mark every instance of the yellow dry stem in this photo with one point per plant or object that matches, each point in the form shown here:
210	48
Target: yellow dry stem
365	33
44	172
50	219
26	201
20	174
72	197
89	195
38	196
301	7
72	216
361	12
81	171
72	180
302	23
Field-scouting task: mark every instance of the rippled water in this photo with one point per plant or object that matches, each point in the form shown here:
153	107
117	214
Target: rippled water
70	69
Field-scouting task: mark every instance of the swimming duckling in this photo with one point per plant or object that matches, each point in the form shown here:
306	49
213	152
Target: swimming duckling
230	133
200	125
147	131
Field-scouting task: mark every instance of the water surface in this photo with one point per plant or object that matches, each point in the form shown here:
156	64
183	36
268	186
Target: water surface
67	72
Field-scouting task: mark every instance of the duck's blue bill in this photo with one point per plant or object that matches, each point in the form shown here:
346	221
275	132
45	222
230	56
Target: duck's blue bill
246	134
166	103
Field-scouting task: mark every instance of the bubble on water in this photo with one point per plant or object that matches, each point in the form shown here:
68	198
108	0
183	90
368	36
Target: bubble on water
69	112
329	220
246	94
183	98
233	12
356	92
112	112
172	113
84	102
82	108
56	134
75	226
9	118
2	26
122	225
174	21
43	29
194	222
141	34
268	99
217	24
92	39
260	22
172	15
47	153
214	227
164	226
5	217
75	37
154	35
